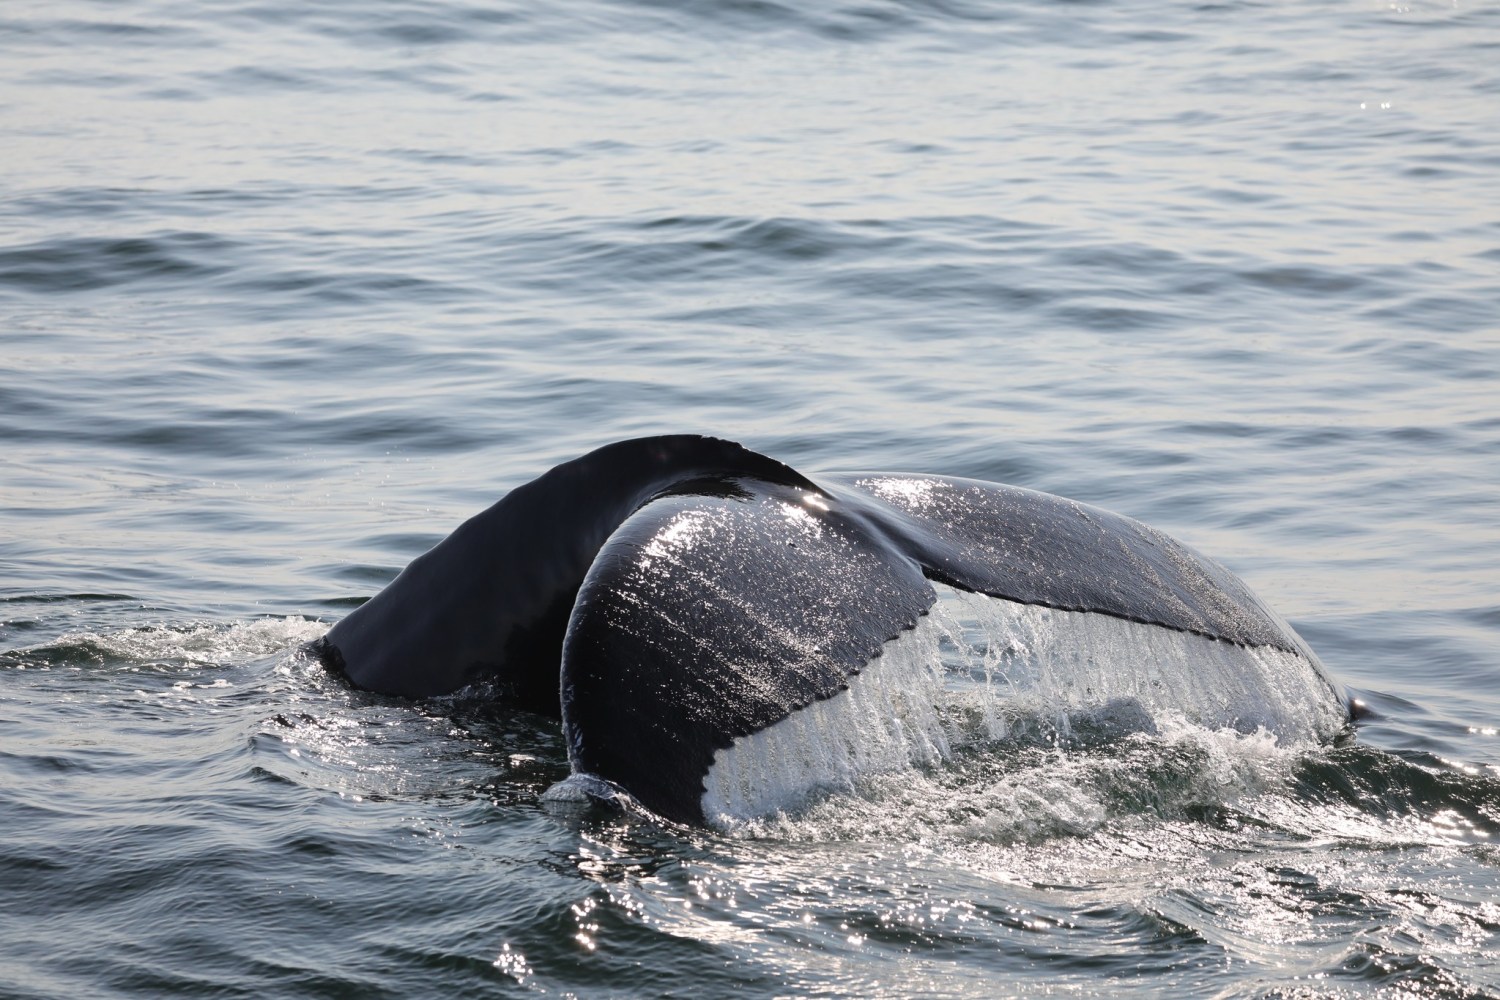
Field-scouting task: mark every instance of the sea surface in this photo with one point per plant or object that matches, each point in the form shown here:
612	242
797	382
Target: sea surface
288	290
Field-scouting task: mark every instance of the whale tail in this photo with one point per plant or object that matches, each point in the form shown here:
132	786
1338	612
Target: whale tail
706	619
670	596
491	601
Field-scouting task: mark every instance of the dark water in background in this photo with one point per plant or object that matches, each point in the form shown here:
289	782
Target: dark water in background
287	291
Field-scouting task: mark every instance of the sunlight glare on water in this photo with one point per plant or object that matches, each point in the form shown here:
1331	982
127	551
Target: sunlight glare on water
289	292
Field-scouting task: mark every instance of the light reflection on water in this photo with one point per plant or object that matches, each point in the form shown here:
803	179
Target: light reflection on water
289	292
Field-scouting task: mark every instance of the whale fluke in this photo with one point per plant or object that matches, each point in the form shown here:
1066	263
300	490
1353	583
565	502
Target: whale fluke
671	596
491	601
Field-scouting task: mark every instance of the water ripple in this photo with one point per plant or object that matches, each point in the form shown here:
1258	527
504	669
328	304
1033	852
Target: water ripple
292	290
72	265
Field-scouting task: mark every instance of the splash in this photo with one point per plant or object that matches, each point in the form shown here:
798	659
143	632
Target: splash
187	645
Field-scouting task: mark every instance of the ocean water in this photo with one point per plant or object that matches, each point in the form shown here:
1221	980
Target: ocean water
287	291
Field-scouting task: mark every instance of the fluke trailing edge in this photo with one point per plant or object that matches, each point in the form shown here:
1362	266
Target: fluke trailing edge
669	596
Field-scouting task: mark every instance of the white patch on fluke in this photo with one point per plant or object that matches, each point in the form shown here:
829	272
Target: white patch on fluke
978	669
887	719
1057	668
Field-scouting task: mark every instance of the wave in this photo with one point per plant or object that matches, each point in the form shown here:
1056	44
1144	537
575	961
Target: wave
171	646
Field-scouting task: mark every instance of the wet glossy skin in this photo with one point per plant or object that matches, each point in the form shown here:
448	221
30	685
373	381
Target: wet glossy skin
669	595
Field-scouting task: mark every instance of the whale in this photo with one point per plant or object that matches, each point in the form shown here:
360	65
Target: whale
671	599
